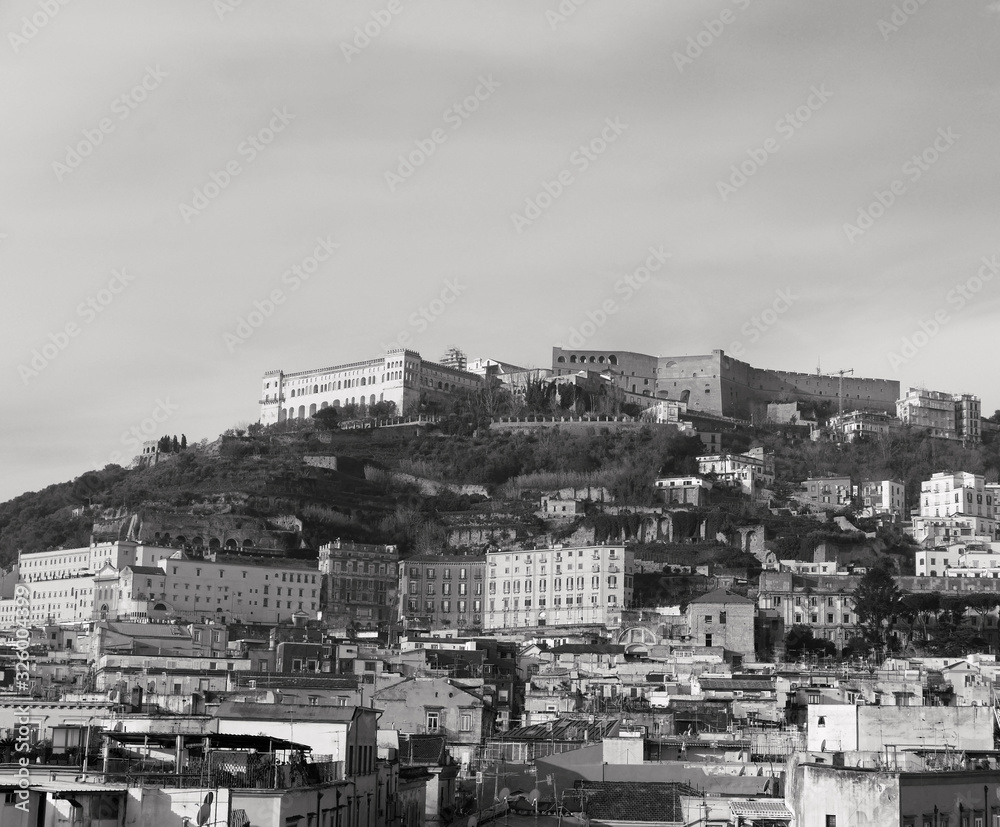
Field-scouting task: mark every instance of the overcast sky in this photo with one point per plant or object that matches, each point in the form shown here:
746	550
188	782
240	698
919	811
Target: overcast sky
202	150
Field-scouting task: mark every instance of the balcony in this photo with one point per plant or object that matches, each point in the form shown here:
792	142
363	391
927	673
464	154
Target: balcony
249	775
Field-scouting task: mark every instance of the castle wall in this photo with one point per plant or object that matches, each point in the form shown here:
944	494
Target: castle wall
723	386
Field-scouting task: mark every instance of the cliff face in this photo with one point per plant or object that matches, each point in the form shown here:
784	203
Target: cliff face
230	531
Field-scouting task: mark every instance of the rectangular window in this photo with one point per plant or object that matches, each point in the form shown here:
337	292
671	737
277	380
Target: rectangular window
432	721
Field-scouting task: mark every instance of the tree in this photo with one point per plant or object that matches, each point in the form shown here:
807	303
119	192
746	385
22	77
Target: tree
175	446
383	410
800	642
920	605
184	442
877	601
328	418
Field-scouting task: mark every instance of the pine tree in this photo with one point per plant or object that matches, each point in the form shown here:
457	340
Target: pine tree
876	602
175	446
184	442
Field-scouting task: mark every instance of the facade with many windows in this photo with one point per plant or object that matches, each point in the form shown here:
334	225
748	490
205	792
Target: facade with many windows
751	471
947	416
437	592
879	497
400	376
955	507
823	603
234	588
829	493
73	562
558	586
360	582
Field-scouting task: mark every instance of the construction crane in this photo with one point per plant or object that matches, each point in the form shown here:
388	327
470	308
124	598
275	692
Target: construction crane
840	391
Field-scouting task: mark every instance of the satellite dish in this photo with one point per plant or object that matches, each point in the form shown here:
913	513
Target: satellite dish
504	793
533	796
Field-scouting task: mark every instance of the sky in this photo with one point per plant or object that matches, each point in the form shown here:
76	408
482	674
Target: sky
198	191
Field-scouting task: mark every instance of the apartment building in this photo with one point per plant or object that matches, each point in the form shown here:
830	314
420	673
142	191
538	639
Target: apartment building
752	471
882	497
955	506
948	416
558	586
361	582
827	492
680	490
823	603
440	592
854	426
959	560
234	588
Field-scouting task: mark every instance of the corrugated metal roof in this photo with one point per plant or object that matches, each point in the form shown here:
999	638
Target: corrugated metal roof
767	809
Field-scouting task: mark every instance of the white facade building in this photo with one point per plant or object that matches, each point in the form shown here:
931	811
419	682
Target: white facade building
948	416
959	560
955	506
854	425
400	376
882	497
557	586
71	562
751	471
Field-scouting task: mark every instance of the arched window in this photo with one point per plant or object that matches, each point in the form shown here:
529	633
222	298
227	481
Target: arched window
312	409
561	359
302	411
613	359
315	388
362	380
371	401
324	406
572	359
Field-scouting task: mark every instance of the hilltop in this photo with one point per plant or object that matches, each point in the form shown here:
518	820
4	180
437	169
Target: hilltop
425	489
